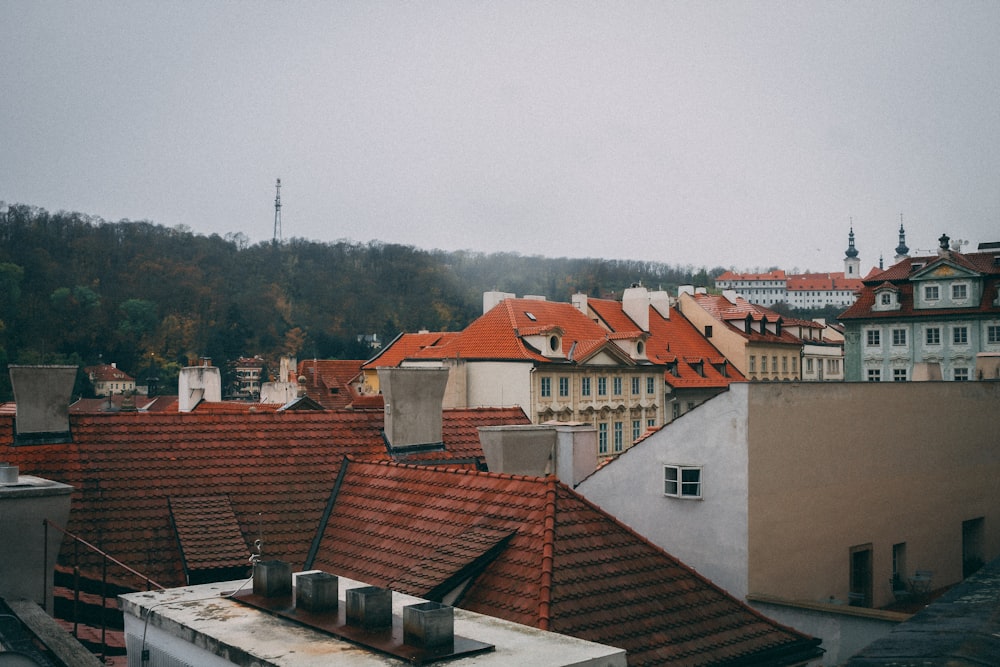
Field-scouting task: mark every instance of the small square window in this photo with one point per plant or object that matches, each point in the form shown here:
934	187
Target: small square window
682	481
933	336
959	291
993	333
960	335
961	374
899	375
931	292
874	375
899	336
885	298
873	337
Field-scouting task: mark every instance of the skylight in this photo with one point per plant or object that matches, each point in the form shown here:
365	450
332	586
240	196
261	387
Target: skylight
531	316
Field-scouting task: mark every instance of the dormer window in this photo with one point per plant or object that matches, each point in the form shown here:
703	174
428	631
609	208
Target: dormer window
886	299
640	348
554	343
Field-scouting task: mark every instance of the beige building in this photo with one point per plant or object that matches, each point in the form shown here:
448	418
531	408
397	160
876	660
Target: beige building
109	380
751	337
821	498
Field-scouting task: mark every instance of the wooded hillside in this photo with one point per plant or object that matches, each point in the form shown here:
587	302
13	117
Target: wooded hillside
78	289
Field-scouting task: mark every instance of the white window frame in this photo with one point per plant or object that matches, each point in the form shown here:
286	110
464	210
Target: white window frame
964	331
682	490
936	292
936	331
992	334
899	337
873	338
957	286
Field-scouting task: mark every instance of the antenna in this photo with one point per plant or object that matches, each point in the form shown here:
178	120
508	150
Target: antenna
277	213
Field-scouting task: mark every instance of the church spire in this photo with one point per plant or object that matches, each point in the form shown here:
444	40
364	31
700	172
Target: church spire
902	252
852	265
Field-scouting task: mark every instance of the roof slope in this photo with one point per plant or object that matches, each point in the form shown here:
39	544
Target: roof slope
277	469
727	312
567	567
673	340
328	381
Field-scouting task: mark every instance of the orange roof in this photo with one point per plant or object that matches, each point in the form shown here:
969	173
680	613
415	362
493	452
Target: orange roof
726	312
777	274
277	469
498	333
822	282
407	344
676	342
533	551
107	373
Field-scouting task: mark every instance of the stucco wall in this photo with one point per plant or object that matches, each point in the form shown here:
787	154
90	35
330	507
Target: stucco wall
499	384
708	534
839	465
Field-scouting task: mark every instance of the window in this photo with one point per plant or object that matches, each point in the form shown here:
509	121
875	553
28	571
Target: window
635	386
993	334
931	292
708	331
618	436
546	387
959	291
774	363
784	364
650	423
885	298
795	364
809	365
682	481
564	386
899	336
899	582
651	384
874	375
763	363
617	385
960	335
636	429
585	386
961	374
833	366
933	336
899	375
753	363
602	386
676	410
873	337
861	576
602	438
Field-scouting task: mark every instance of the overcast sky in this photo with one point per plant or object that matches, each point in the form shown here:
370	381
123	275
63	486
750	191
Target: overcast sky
737	134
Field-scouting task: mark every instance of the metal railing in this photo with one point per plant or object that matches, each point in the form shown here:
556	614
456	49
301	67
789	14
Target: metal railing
105	559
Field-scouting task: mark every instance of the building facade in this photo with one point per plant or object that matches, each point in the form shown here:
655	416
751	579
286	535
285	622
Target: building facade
926	317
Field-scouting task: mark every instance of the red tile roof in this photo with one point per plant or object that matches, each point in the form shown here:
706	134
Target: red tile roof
328	381
405	345
208	532
727	312
898	277
777	274
277	469
827	282
535	552
107	373
498	333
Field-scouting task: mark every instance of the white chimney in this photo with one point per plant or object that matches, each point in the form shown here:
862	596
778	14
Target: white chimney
579	301
569	450
196	384
730	295
661	301
701	290
635	303
685	289
491	299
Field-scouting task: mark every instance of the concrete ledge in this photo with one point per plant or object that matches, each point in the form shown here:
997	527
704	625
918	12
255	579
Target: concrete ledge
824	607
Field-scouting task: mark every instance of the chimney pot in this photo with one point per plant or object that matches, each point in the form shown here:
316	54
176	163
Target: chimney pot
369	607
429	625
272	578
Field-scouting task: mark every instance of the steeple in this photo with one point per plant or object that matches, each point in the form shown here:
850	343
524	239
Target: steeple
902	252
851	262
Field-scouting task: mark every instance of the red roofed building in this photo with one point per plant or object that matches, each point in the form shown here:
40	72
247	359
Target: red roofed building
533	551
926	317
752	337
108	379
333	383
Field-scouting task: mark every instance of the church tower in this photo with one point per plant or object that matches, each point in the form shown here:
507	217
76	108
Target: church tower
902	252
852	265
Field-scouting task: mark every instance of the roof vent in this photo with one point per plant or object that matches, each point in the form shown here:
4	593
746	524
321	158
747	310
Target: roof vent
427	628
42	395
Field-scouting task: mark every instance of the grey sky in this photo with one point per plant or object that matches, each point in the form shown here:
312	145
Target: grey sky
741	134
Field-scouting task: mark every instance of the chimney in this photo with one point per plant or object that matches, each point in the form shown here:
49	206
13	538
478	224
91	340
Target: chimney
661	301
491	299
413	402
685	289
579	301
730	295
635	303
567	449
196	384
26	503
944	250
42	395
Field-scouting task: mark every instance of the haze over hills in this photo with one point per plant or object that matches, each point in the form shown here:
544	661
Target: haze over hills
78	289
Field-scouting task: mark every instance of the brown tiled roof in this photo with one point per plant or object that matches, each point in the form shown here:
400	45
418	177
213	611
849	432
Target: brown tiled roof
277	469
777	274
208	532
328	381
822	282
898	277
107	373
535	552
405	345
727	312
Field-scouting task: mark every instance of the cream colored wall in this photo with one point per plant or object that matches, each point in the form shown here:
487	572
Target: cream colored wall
498	384
836	465
729	343
788	352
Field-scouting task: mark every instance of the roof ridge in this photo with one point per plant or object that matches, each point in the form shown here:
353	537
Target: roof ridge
455	470
548	551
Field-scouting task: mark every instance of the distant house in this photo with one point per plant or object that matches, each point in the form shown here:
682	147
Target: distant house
752	337
532	551
333	383
108	379
248	372
624	366
810	498
926	317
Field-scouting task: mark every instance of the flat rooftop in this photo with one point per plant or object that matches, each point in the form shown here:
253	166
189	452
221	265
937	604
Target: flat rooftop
204	625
